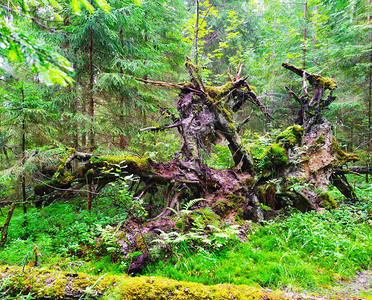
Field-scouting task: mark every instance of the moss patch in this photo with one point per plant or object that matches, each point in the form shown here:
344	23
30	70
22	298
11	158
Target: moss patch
320	140
290	137
341	155
134	164
325	82
275	158
326	200
49	186
230	205
218	92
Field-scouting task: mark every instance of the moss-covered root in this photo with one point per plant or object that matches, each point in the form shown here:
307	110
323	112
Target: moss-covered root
54	284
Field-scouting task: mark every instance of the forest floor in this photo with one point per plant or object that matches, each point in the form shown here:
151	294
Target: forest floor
306	255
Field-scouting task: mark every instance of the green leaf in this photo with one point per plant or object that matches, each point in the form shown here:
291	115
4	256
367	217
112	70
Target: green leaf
75	4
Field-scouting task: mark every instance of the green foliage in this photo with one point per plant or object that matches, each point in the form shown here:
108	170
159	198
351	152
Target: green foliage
305	252
64	230
220	158
201	232
197	29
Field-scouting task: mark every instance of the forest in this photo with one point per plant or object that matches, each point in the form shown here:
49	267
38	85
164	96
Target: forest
216	149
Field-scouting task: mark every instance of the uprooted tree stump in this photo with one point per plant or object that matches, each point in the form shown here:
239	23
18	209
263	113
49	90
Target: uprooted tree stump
294	170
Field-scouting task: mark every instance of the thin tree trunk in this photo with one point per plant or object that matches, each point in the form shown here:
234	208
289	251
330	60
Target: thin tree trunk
304	37
89	198
75	136
121	122
83	133
122	143
24	196
91	101
196	32
369	163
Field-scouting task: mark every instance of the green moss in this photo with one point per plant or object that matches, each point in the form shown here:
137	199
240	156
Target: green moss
216	93
326	200
141	243
341	155
290	137
320	140
205	216
162	288
226	206
80	172
52	284
325	82
134	164
49	186
239	200
198	109
274	158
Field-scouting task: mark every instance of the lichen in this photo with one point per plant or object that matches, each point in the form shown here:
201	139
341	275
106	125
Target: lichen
290	137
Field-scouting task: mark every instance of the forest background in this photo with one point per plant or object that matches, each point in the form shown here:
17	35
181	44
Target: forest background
67	81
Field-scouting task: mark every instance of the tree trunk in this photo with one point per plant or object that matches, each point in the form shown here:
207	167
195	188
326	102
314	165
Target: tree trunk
91	100
4	228
304	37
24	196
83	125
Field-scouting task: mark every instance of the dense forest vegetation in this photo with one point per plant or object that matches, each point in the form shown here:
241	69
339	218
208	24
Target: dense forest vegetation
185	149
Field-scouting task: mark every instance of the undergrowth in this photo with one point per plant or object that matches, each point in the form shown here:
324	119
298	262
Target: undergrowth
67	236
302	252
297	252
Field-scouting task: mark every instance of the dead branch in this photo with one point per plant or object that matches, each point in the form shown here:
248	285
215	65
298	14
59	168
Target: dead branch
168	84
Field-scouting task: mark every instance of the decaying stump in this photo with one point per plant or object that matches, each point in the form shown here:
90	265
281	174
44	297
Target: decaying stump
294	170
